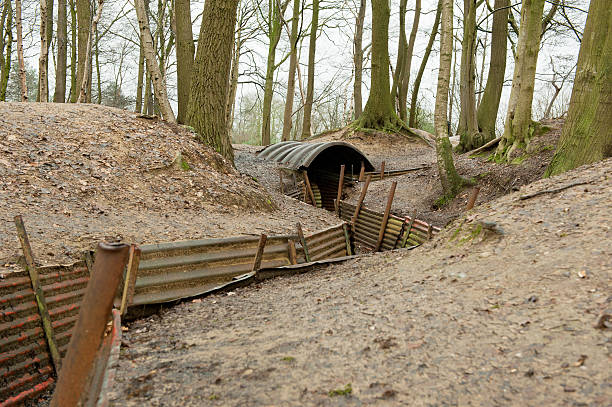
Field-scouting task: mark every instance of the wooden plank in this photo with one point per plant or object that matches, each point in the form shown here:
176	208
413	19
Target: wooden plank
340	184
349	251
364	190
414	215
300	233
38	292
130	278
292	252
382	170
259	255
383	224
309	188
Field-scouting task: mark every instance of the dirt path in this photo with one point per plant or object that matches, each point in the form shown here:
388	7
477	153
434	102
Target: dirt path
498	311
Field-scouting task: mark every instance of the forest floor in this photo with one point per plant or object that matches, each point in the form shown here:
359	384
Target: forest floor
499	309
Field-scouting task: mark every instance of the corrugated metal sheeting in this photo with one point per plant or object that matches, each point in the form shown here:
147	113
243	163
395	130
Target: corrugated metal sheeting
398	230
327	244
169	271
298	155
25	363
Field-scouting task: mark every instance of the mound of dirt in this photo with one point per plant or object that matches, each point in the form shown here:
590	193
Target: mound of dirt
83	173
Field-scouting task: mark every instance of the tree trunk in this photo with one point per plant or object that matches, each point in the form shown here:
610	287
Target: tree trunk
139	85
402	44
5	67
159	86
379	112
417	81
211	70
275	12
587	132
405	78
293	39
314	27
99	78
451	181
233	83
84	25
184	55
73	52
487	110
49	30
59	95
358	59
85	90
519	127
148	95
468	125
43	83
22	69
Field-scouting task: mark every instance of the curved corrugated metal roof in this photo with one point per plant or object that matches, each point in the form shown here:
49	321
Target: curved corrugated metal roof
296	155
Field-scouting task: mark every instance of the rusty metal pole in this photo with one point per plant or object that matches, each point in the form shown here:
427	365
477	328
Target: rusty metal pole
383	224
260	250
473	197
340	184
382	170
89	329
364	190
38	293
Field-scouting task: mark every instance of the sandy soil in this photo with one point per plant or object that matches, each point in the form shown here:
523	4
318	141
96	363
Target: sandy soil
79	174
498	310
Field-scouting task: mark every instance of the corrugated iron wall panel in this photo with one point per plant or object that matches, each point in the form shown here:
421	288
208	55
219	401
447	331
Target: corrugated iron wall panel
327	244
170	271
25	365
368	222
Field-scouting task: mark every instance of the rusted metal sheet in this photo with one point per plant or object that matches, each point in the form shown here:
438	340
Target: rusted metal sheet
96	307
175	270
297	155
25	364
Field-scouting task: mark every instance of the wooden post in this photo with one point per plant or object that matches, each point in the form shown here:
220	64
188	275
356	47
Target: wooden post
429	232
349	251
309	189
383	225
382	170
292	252
303	242
340	184
360	201
405	241
130	278
282	186
260	249
361	172
473	197
38	293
